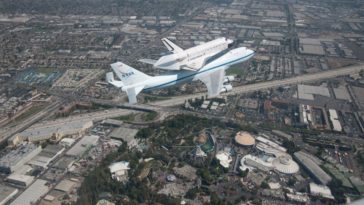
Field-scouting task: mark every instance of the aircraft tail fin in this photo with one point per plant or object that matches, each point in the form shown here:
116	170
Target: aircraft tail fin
171	46
127	74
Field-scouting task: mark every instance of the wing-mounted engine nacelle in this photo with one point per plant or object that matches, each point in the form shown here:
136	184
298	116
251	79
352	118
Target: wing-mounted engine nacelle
226	88
229	79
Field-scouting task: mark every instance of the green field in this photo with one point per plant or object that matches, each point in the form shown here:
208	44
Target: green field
236	70
128	118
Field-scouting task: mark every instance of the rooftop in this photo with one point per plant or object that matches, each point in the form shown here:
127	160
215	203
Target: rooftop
244	138
313	167
307	92
6	192
32	194
16	155
81	146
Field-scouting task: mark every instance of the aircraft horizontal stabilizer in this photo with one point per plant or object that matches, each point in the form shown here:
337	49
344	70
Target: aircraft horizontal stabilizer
148	61
110	79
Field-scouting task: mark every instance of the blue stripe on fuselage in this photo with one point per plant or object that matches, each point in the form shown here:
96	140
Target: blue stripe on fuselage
185	77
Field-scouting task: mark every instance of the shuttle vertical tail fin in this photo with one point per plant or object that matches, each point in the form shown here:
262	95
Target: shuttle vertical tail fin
127	74
171	46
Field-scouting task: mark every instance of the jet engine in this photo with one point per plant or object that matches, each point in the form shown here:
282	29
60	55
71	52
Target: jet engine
229	79
226	88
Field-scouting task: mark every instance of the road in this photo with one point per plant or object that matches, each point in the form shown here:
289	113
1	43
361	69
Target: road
269	84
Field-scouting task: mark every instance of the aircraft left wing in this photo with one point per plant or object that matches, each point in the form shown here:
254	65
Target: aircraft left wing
214	82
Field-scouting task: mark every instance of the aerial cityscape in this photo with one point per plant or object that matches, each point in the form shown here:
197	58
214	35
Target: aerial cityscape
248	102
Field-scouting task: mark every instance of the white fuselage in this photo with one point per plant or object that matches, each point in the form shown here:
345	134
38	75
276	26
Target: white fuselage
232	57
193	58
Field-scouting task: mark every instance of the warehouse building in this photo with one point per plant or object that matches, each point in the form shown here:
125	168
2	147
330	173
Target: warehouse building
83	145
66	186
18	157
320	191
312	167
334	118
125	134
53	130
308	92
46	156
33	193
6	193
20	179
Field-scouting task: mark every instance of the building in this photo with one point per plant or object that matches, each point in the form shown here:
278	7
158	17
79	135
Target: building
83	145
18	157
7	193
20	179
334	118
320	191
46	156
224	158
67	142
66	186
271	157
244	139
271	144
254	162
310	164
285	164
308	92
125	134
33	193
119	170
54	130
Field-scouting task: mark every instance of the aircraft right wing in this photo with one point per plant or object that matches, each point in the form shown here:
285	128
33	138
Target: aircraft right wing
171	46
214	82
132	93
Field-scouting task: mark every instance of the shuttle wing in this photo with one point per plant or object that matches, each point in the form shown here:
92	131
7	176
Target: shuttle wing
171	46
214	82
148	61
196	64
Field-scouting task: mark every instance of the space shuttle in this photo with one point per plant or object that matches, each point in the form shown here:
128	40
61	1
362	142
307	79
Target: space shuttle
192	59
133	81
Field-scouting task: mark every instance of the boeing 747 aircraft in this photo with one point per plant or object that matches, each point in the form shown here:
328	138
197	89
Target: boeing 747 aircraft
212	75
190	59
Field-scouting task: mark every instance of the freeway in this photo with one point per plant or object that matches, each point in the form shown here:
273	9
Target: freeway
269	84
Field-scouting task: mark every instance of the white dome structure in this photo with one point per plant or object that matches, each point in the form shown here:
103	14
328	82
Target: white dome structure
285	165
